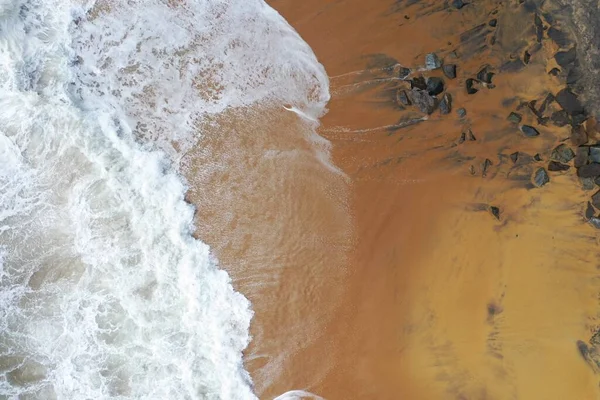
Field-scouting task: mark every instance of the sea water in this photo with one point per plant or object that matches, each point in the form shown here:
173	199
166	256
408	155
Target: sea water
104	293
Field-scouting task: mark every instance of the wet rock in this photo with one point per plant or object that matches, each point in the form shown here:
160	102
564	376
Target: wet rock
461	112
594	154
559	37
485	167
432	61
484	75
566	58
590	211
560	118
458	4
403	72
514	157
562	153
495	212
554	71
514	117
423	101
469	84
435	86
569	102
595	222
537	157
402	98
556	166
526	57
578	135
540	177
596	199
581	157
591	170
446	104
449	70
493	23
418	82
529	131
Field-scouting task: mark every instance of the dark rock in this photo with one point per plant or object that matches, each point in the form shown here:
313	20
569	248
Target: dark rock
590	211
581	156
566	58
435	86
559	37
578	119
574	75
461	112
493	23
423	101
591	170
514	117
449	70
562	153
471	136
556	166
529	131
402	97
597	181
403	72
514	157
531	107
470	89
418	82
485	167
432	61
578	135
554	71
495	212
547	101
595	222
539	28
446	104
595	154
596	199
537	157
569	102
540	177
526	57
560	118
587	184
463	137
484	75
458	4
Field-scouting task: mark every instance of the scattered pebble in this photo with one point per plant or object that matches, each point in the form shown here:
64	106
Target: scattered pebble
529	131
540	177
493	23
562	153
435	86
446	104
557	166
461	112
495	212
514	117
591	170
449	70
432	61
469	84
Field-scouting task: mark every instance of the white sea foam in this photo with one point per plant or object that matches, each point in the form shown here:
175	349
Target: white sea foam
103	291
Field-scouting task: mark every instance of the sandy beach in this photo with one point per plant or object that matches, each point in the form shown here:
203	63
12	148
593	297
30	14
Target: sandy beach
422	261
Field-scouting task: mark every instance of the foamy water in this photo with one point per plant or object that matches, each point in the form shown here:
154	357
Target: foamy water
103	291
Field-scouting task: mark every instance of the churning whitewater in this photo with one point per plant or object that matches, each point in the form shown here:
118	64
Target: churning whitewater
103	291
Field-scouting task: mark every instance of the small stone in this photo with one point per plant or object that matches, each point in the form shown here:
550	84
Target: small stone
595	222
581	156
402	98
472	170
540	177
578	119
569	102
446	104
484	75
547	101
578	135
485	167
526	57
435	86
596	199
556	166
574	75
493	23
554	71
590	211
514	157
537	157
562	153
423	101
432	61
461	112
587	184
458	4
495	212
591	170
559	37
566	58
471	136
449	70
595	154
560	118
403	72
463	137
529	131
514	117
469	84
418	82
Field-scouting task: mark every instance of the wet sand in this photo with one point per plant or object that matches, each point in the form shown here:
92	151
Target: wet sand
394	280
